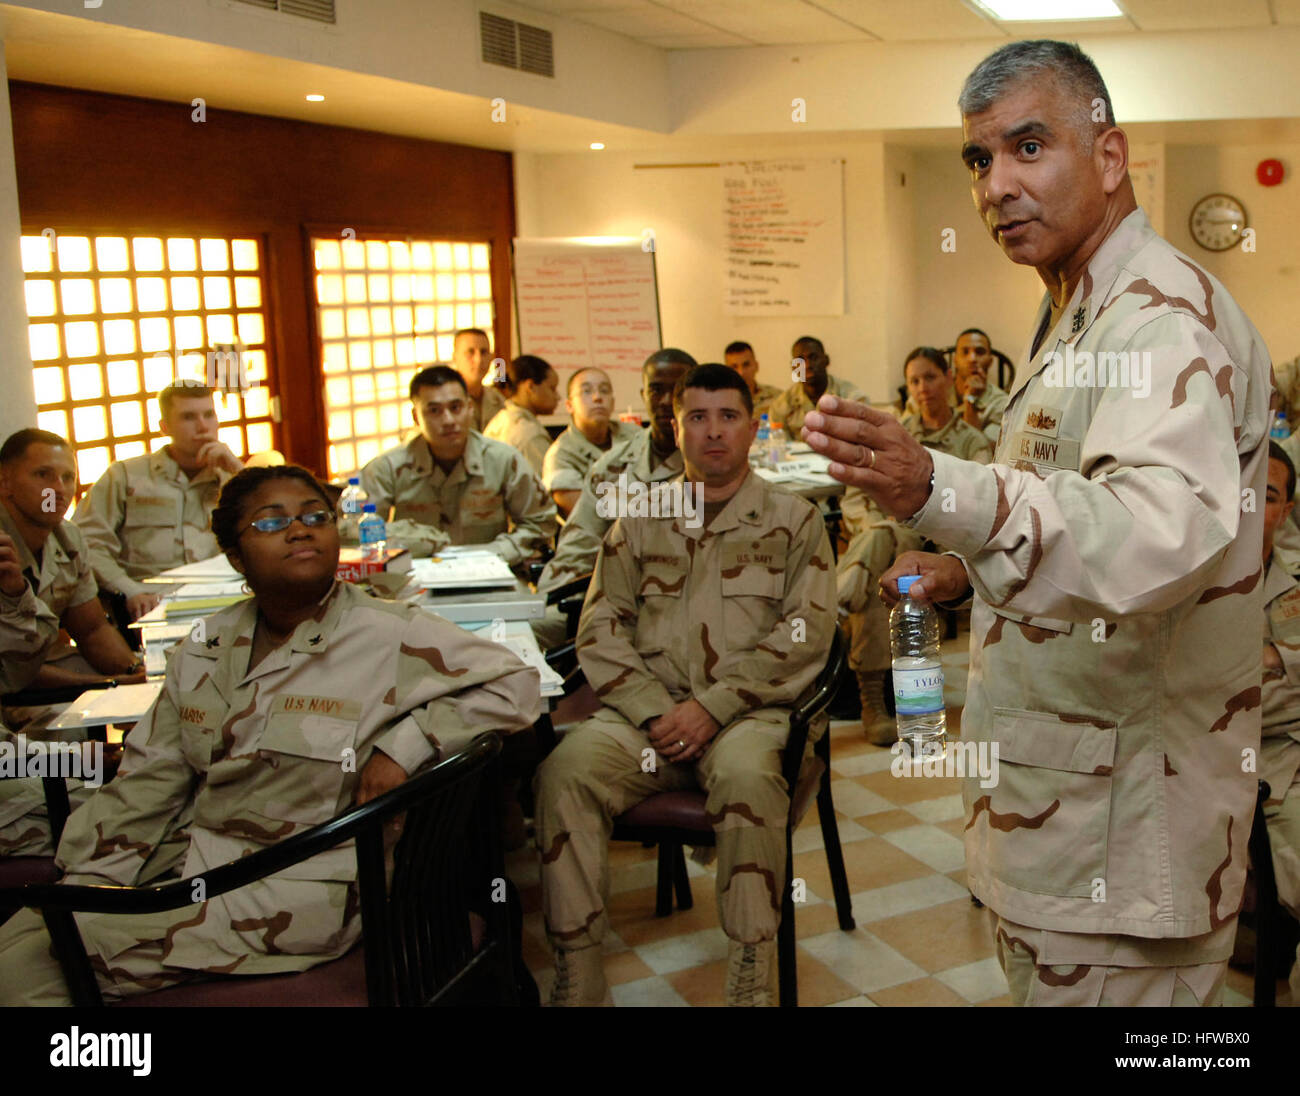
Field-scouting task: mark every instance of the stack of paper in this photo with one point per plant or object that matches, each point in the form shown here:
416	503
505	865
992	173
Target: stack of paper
447	571
124	704
216	569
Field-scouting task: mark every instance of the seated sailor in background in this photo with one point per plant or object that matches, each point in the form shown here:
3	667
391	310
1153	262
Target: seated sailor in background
261	713
877	540
530	388
150	513
1279	755
690	638
593	432
451	485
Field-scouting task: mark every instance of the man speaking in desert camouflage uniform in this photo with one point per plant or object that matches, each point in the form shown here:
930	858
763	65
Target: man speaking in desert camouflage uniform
699	632
1113	551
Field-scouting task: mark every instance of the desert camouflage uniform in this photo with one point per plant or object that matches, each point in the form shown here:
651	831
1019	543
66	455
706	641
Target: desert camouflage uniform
675	613
1279	755
27	628
1287	537
491	497
790	407
143	516
575	554
1117	580
487	405
262	755
62	581
520	429
876	541
991	404
571	456
764	397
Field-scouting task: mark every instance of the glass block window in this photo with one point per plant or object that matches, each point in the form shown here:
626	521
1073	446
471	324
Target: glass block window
114	319
382	307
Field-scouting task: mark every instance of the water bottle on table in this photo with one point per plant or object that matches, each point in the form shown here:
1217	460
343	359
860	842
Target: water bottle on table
374	534
350	504
918	675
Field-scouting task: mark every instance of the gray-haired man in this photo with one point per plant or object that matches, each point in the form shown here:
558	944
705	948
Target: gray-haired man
1113	551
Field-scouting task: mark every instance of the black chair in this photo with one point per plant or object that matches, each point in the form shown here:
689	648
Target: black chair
445	933
672	820
1268	922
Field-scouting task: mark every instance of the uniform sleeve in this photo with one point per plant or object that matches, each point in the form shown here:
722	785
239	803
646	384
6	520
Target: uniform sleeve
99	516
110	838
579	544
1156	503
606	637
557	474
532	513
27	628
785	663
379	481
451	687
535	450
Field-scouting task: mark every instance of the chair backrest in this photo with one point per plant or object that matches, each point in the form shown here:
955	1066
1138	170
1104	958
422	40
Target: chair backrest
809	706
447	865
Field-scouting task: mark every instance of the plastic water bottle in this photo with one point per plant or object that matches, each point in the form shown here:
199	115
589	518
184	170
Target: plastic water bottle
1281	430
374	535
350	504
918	675
764	431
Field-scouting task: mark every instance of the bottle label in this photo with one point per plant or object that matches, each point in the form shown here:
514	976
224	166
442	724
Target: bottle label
372	532
918	692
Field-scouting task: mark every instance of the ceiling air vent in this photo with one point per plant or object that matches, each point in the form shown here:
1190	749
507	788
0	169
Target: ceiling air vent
322	11
516	45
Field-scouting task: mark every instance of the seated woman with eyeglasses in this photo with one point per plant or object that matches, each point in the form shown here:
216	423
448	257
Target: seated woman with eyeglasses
276	714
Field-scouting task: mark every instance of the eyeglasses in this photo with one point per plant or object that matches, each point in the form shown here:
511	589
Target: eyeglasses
281	522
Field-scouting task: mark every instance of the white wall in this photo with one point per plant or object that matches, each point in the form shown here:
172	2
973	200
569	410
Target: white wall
1266	283
901	289
602	194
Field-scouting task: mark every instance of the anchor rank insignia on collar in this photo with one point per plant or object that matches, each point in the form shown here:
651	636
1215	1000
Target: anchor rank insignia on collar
1076	324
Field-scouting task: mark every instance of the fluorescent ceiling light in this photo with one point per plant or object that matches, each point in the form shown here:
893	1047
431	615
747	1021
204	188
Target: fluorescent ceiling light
596	146
1046	11
315	98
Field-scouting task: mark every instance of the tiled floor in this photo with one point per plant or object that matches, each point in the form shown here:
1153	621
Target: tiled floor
919	939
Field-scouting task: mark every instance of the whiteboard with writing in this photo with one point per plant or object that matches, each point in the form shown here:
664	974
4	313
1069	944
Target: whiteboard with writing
784	232
587	301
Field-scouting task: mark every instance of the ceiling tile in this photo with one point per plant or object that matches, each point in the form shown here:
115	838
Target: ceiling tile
916	20
713	39
1197	14
1286	11
643	21
772	22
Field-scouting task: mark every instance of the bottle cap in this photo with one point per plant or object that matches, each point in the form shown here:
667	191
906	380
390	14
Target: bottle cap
905	582
354	480
368	508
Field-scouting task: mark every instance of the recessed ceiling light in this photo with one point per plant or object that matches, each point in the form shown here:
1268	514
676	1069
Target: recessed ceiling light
596	146
315	98
1046	11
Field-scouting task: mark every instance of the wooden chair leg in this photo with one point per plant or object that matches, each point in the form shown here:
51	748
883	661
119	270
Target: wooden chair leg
682	882
664	882
831	840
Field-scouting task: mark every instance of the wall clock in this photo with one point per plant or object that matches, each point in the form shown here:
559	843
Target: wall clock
1217	222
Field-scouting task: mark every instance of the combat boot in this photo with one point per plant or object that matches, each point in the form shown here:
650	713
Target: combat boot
879	725
579	978
751	974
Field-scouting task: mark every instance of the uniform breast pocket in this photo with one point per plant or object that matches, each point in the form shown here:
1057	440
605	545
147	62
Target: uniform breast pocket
312	755
199	740
483	511
1048	811
751	605
662	618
